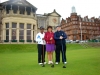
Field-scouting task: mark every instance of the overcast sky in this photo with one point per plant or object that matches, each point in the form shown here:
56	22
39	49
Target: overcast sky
64	7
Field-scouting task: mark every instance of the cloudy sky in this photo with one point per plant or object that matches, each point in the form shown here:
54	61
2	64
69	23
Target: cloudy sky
63	7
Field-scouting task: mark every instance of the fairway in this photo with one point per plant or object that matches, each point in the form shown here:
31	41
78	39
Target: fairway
81	61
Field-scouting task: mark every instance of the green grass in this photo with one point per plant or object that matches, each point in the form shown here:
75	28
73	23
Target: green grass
18	48
22	60
30	47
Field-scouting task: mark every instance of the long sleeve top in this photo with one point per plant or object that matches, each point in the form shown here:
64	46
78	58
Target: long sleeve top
57	35
39	37
47	37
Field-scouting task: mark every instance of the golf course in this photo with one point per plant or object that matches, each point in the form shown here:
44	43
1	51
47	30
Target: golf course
21	59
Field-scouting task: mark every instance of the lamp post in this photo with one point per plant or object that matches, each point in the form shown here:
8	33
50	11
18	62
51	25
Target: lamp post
81	30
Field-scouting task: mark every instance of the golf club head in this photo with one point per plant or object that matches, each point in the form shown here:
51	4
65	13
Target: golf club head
52	65
43	65
64	66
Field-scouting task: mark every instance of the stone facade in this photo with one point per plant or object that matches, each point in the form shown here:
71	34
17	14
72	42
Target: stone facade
41	21
52	19
75	23
19	22
0	22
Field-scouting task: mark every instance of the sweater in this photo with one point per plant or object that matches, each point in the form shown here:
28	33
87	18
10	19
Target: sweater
47	37
57	35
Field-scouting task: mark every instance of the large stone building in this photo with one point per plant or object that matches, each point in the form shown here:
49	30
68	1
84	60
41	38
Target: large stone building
52	19
78	28
18	21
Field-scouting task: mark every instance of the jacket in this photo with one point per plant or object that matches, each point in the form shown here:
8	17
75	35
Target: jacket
57	35
39	37
47	37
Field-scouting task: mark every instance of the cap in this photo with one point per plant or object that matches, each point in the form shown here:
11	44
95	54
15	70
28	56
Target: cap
41	27
58	26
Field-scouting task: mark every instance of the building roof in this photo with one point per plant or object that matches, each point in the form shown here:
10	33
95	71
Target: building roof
41	16
53	12
19	3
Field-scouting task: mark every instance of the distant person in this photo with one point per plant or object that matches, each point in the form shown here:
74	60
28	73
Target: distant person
41	46
60	43
50	44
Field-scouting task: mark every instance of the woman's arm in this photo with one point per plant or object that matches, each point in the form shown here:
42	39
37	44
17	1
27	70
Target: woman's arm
45	37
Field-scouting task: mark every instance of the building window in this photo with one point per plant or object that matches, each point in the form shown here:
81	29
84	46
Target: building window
85	31
21	34
8	8
14	25
28	13
15	8
66	21
28	34
87	23
74	22
33	26
28	26
21	31
7	25
21	25
89	20
7	11
7	34
75	32
86	19
15	11
22	11
92	20
13	34
74	37
74	27
83	19
7	31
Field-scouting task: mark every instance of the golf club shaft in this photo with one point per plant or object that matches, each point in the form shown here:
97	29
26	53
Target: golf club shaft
53	61
43	55
63	52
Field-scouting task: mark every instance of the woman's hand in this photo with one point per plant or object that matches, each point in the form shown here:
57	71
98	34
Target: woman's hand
42	38
51	38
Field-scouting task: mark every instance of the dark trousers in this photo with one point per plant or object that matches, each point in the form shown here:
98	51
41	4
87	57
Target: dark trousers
62	49
41	51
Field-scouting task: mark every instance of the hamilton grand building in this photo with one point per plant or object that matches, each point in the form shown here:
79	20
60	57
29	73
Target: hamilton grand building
18	22
78	28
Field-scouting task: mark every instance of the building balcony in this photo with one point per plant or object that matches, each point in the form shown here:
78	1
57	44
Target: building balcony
18	14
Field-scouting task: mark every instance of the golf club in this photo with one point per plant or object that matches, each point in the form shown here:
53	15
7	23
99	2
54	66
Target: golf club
64	66
52	63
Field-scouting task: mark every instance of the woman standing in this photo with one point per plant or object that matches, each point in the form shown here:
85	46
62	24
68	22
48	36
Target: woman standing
50	44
